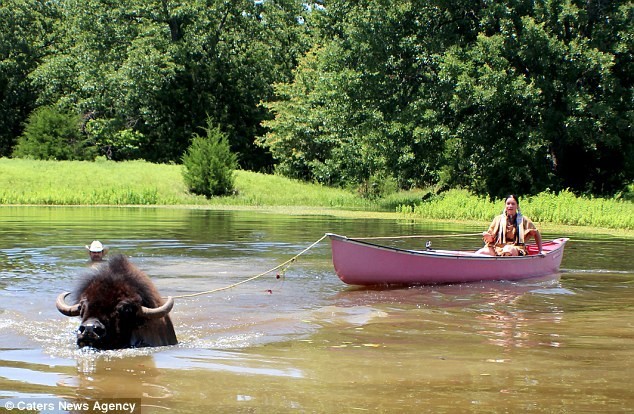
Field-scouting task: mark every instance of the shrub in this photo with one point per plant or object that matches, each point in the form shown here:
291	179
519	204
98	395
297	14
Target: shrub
209	164
50	134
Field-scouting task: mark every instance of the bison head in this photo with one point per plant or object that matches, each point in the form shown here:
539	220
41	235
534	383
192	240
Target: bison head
119	308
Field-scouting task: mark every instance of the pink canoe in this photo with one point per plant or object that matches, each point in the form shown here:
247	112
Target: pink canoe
359	262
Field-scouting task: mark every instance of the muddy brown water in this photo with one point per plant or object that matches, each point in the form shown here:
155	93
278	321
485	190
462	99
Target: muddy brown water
306	342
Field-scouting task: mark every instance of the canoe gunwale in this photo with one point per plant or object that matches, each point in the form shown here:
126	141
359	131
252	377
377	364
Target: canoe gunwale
447	253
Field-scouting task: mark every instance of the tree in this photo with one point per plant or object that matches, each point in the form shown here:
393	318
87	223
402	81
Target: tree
347	118
587	83
495	97
493	142
25	36
209	164
158	69
53	135
534	100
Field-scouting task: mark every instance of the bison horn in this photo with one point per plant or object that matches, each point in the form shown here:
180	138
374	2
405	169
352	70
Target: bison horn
64	308
155	313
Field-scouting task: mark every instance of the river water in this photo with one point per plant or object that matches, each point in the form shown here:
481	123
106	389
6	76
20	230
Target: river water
305	342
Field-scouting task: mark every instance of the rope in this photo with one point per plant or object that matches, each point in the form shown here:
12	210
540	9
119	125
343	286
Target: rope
286	263
417	236
292	259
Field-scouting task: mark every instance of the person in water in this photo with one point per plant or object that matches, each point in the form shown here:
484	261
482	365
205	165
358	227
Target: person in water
509	231
96	251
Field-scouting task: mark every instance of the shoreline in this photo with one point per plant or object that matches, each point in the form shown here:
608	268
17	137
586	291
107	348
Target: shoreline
567	230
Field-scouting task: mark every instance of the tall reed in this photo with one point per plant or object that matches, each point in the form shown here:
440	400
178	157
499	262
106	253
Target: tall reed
562	208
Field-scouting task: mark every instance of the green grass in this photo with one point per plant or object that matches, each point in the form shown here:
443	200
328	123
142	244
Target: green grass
142	183
564	208
255	189
92	183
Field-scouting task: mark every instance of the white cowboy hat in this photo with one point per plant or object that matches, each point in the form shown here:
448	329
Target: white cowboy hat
95	247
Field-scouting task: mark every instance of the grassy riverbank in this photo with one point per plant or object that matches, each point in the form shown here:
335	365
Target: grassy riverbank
141	183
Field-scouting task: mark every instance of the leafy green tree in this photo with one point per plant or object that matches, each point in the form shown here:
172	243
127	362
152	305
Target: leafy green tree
535	99
497	97
158	69
53	135
209	164
347	117
587	83
27	30
493	144
109	64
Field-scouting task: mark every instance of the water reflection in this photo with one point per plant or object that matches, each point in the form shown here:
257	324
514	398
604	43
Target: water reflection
454	295
497	307
306	342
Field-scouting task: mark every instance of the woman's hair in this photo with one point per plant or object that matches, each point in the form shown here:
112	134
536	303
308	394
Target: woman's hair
513	197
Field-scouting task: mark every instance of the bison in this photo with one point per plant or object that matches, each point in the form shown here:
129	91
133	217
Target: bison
119	308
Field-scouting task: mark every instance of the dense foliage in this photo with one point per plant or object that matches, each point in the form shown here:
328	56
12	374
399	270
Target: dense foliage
26	32
493	96
145	75
498	97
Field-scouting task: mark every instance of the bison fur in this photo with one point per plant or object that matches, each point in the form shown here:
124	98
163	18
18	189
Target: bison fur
119	308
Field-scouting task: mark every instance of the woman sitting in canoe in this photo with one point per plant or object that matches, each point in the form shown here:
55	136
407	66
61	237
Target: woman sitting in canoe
508	231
